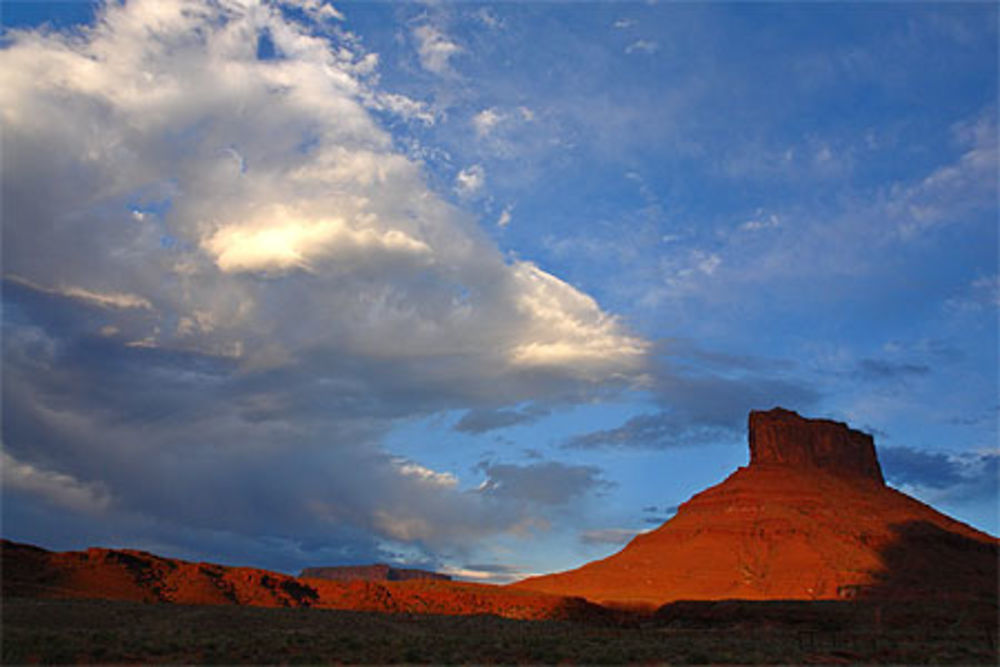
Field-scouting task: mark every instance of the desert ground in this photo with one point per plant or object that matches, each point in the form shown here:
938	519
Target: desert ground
39	631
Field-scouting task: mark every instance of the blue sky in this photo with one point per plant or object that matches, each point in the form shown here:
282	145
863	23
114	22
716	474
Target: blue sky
482	287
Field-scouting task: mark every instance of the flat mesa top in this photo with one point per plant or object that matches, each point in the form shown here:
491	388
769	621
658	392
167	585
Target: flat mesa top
782	437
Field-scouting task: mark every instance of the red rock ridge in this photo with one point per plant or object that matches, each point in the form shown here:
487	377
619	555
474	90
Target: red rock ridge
138	576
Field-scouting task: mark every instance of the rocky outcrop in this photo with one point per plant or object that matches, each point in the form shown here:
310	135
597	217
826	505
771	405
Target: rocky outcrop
781	437
809	518
377	572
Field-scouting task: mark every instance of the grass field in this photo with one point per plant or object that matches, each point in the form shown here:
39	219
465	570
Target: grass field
90	631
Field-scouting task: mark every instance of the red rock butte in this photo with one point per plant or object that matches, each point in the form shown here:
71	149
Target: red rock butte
809	518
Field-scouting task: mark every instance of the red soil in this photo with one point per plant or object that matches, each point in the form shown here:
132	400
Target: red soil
809	518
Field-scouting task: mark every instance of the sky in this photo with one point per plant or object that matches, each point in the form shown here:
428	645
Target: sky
482	288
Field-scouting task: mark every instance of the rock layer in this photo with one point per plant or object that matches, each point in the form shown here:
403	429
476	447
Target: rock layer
809	518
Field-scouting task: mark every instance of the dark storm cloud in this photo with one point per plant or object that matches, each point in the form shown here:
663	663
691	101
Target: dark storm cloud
908	465
546	483
482	420
658	430
658	515
965	476
881	369
702	403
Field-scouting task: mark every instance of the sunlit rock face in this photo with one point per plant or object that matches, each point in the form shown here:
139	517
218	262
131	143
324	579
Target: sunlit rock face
781	437
809	518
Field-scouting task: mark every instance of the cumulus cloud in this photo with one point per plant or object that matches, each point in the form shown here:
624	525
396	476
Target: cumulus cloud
322	192
283	241
435	49
267	283
470	181
64	491
486	120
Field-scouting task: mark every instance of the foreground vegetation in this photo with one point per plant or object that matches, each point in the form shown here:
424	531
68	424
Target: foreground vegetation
92	631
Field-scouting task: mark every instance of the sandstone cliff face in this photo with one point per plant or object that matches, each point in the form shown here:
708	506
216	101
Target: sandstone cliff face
809	518
781	437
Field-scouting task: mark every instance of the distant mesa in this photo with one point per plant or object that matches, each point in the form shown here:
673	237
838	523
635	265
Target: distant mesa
376	572
809	518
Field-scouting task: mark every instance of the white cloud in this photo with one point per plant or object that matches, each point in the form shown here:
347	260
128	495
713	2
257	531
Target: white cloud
490	19
949	192
283	240
983	292
989	287
426	475
761	221
622	24
492	574
470	181
403	106
569	329
319	10
708	263
110	300
486	120
435	49
647	46
504	218
53	487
